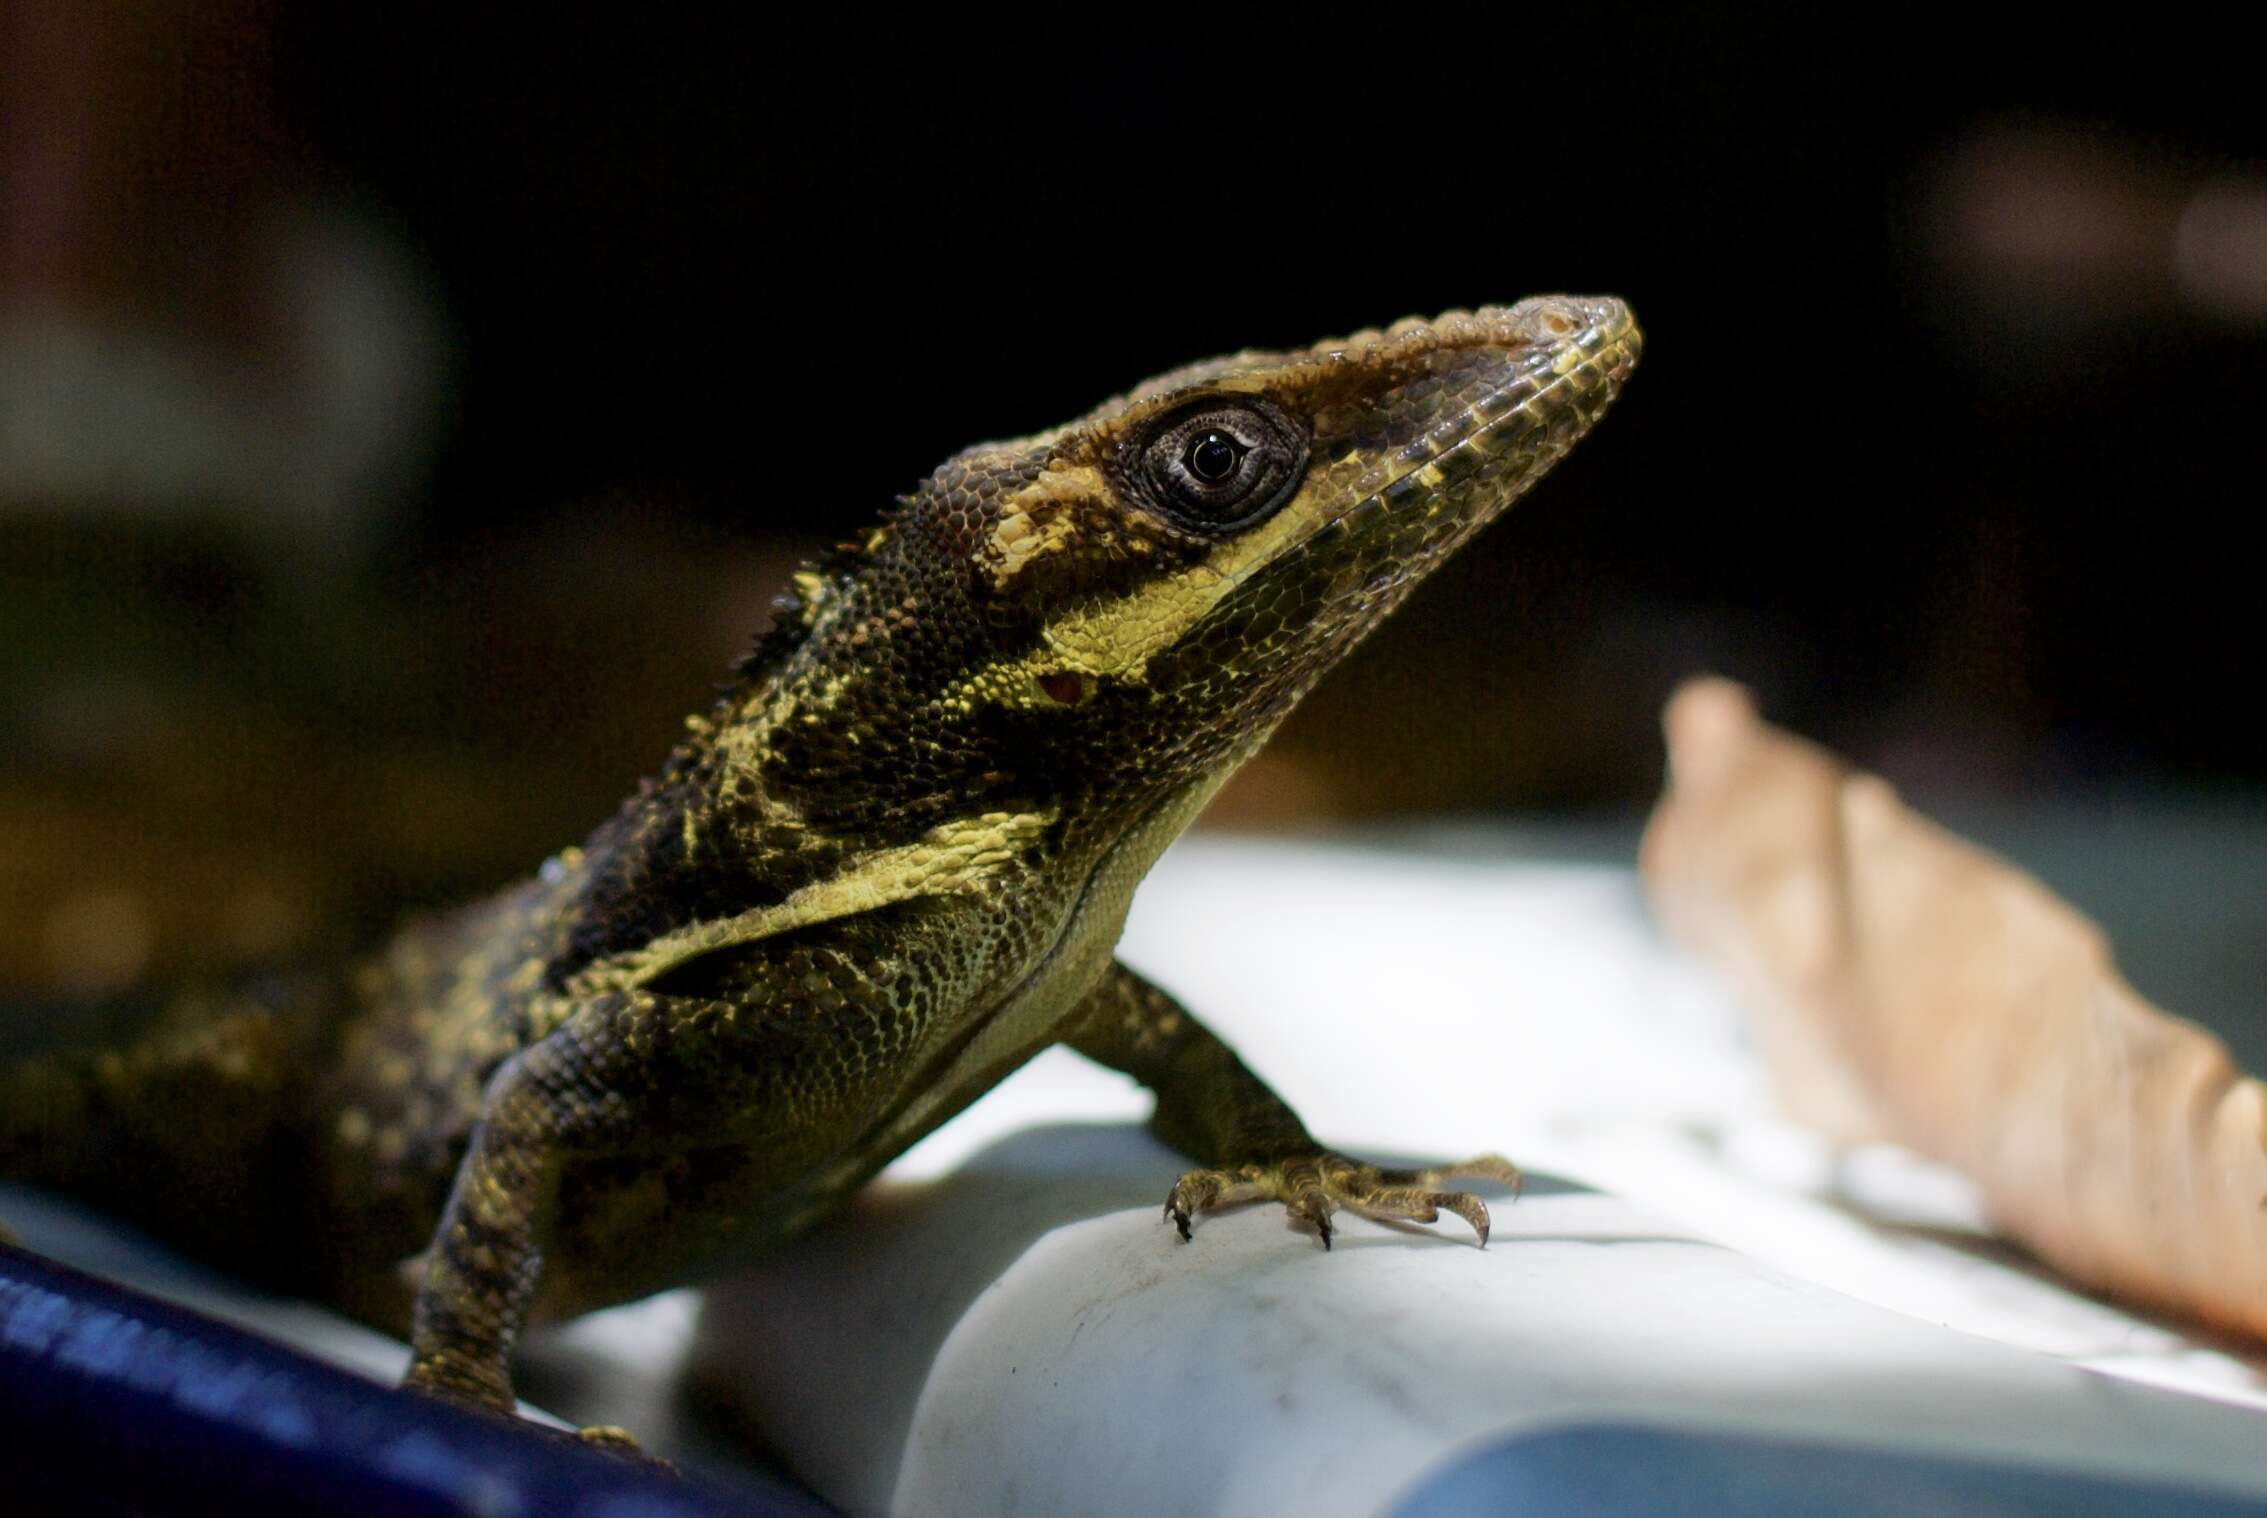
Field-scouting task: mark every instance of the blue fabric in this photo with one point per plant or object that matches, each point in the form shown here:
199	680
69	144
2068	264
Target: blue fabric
114	1402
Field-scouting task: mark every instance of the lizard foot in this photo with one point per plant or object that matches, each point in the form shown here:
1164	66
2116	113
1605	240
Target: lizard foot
611	1437
475	1389
1313	1186
618	1441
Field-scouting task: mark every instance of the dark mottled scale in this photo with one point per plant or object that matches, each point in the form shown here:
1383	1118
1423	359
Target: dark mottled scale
1395	497
1459	462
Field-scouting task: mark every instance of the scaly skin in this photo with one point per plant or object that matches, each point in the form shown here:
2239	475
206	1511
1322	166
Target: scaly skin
886	869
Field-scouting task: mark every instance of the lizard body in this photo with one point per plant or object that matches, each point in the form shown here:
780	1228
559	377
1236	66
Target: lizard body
888	867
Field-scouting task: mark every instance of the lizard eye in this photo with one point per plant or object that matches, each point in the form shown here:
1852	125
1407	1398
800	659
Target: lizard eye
1218	466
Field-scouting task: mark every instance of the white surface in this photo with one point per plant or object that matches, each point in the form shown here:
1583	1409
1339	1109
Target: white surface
1286	1382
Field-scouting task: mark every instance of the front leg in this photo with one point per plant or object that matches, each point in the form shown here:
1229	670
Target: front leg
556	1100
1214	1110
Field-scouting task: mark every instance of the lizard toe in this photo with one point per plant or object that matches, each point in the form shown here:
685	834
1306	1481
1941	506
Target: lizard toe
1192	1194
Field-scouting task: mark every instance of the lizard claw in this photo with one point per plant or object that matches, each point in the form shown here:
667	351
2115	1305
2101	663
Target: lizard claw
1193	1193
1313	1186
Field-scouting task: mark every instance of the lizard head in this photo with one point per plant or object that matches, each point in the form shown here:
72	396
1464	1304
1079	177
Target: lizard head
1134	600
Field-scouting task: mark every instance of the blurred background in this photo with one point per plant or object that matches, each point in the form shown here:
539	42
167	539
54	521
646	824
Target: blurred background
407	413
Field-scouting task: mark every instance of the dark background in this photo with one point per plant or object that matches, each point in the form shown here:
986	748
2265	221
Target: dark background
406	413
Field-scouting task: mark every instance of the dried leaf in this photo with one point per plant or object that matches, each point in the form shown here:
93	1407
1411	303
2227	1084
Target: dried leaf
1908	985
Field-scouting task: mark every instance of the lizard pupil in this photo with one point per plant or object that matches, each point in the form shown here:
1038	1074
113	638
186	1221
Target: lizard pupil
1213	456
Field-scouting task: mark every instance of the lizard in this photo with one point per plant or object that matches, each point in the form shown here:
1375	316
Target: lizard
888	866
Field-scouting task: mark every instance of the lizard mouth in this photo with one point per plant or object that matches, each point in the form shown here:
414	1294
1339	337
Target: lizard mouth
1569	358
